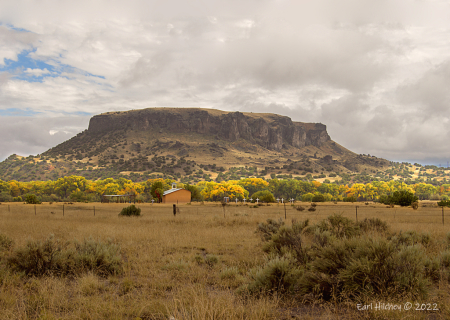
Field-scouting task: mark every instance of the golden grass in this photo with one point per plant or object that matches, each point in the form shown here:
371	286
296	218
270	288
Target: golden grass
165	274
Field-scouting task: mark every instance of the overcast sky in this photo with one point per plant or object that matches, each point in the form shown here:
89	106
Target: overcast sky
376	72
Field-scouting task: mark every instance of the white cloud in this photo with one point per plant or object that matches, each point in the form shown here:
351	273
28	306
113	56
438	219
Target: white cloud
37	72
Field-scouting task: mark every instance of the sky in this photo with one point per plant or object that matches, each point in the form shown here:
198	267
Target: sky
375	72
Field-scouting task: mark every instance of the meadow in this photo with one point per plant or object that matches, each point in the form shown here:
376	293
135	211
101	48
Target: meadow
188	266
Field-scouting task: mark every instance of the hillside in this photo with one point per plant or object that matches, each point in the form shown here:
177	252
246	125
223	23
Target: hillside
192	144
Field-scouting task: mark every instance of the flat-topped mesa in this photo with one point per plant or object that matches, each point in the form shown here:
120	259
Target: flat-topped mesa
271	131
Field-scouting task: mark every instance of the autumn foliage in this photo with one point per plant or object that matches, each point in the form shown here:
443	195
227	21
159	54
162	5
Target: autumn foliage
77	188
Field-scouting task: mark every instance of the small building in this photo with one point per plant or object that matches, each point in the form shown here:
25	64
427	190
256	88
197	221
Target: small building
176	195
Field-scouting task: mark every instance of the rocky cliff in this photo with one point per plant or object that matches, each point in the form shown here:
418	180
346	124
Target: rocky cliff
268	130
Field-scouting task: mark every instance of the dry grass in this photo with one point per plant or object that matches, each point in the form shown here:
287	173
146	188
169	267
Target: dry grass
167	261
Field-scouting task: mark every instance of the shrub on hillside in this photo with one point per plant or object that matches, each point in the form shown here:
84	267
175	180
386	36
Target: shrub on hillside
130	211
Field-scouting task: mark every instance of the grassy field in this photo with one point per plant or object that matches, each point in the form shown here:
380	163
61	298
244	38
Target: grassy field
187	266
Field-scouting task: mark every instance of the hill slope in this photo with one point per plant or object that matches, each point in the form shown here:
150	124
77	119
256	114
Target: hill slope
192	144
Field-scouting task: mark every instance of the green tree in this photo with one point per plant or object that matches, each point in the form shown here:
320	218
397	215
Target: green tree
264	195
195	191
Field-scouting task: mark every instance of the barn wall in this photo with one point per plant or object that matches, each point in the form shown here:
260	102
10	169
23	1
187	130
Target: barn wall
183	196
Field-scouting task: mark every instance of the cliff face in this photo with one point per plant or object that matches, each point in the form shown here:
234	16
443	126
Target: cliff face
268	130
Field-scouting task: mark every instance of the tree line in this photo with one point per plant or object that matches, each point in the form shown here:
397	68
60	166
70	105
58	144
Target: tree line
78	188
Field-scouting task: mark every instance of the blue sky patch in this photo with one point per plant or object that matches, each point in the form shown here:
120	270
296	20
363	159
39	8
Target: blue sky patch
16	112
34	70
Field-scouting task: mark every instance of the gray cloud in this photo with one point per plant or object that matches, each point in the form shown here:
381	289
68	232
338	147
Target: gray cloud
375	72
33	135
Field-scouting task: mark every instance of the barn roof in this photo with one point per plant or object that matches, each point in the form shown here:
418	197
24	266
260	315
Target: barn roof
172	190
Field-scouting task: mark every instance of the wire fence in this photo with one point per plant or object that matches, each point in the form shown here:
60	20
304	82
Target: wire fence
424	214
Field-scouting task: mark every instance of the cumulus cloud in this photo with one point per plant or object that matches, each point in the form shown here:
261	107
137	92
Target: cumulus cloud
375	72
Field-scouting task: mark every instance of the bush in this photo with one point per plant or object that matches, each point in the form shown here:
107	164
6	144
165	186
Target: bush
268	229
5	242
52	257
278	274
402	198
318	198
349	199
264	195
444	203
353	267
307	197
374	224
338	226
130	211
32	199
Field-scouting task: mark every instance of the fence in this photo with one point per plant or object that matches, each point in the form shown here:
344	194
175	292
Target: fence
428	214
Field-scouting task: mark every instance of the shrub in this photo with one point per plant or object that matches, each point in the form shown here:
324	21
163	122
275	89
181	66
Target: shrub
349	199
338	226
307	197
52	257
211	260
410	238
374	224
130	211
444	203
402	198
31	199
268	229
278	274
300	208
378	267
351	267
415	205
285	240
264	195
318	198
5	242
312	209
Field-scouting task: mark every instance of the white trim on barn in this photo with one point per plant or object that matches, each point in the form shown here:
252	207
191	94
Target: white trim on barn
171	190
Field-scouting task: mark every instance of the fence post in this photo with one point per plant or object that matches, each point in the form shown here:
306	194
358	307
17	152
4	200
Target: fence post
34	209
174	210
442	215
356	213
63	210
284	210
94	211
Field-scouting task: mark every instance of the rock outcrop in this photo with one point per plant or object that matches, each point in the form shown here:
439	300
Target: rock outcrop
268	130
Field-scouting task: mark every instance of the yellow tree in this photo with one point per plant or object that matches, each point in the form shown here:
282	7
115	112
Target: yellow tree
217	191
358	190
253	185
